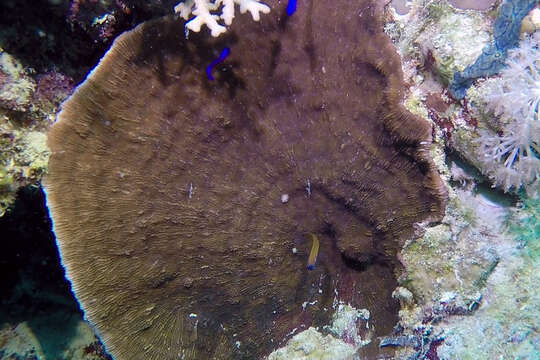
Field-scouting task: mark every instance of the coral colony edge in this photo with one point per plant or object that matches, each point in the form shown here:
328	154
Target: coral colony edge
173	232
273	180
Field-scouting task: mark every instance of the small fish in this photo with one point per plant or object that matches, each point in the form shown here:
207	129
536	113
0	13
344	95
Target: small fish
291	7
314	252
224	53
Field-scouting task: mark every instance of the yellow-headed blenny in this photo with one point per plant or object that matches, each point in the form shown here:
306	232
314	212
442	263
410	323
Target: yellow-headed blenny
314	252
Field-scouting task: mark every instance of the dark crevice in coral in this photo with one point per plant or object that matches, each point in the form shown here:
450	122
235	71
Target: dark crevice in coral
484	186
17	118
409	151
283	20
497	195
363	261
276	50
454	157
328	230
309	42
344	203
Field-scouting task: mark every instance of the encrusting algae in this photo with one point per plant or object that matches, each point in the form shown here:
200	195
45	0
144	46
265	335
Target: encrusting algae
166	188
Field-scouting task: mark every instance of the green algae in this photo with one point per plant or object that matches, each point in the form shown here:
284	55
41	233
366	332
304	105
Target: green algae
436	10
524	225
28	104
5	180
7	196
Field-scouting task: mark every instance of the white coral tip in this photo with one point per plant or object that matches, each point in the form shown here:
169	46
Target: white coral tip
228	11
254	7
184	9
209	20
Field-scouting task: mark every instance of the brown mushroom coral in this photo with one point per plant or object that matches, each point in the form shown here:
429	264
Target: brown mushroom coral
168	191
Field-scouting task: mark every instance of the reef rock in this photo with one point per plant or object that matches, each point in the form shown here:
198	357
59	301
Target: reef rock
166	187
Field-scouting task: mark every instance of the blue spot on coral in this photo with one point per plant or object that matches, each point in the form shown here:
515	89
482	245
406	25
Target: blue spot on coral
506	36
224	53
291	7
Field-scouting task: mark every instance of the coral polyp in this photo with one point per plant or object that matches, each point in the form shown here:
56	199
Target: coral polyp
512	157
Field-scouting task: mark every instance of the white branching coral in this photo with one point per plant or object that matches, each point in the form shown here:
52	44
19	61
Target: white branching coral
512	158
205	13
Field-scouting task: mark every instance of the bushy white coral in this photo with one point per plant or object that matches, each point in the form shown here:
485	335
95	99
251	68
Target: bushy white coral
518	94
512	158
204	11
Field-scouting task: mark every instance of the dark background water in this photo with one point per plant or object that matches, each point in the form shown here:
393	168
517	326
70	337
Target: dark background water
33	289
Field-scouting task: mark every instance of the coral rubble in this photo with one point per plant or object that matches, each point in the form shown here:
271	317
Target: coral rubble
341	341
465	290
27	107
311	344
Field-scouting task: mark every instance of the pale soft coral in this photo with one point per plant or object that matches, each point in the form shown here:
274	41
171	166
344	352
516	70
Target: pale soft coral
512	159
518	94
204	11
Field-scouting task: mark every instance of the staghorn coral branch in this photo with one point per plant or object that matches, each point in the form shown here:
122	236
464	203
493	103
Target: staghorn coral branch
203	11
203	16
